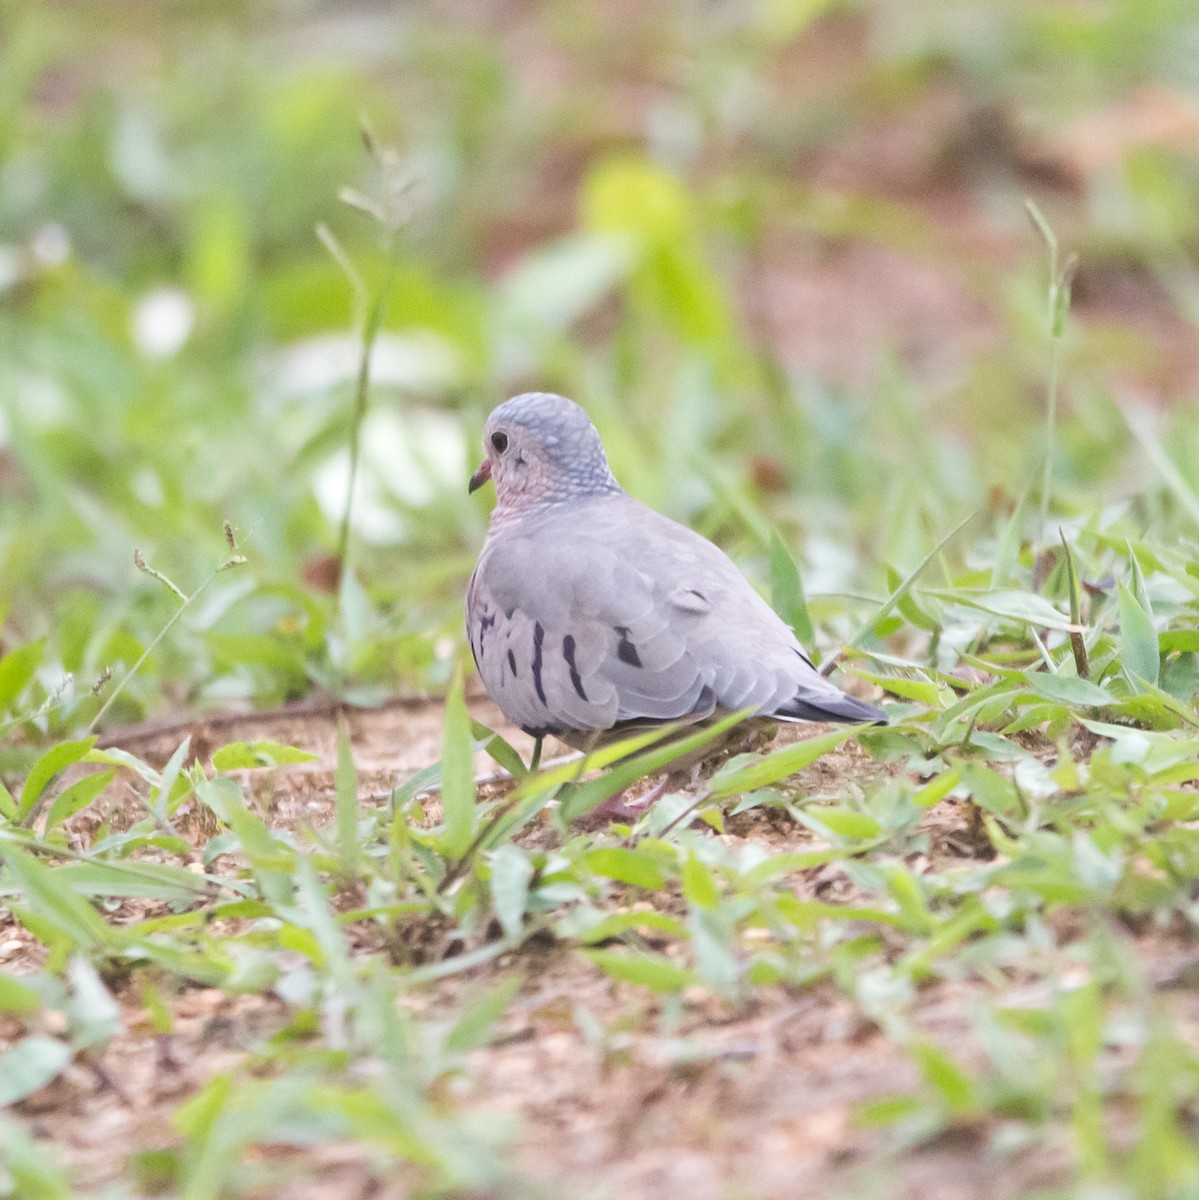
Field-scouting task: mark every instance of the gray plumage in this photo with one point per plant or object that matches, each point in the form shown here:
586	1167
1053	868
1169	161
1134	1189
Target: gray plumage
589	613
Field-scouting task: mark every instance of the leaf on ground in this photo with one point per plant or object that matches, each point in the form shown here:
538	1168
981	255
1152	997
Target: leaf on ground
31	1064
649	970
248	756
777	765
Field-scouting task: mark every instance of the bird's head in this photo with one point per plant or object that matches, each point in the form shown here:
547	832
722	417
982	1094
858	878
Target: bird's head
540	449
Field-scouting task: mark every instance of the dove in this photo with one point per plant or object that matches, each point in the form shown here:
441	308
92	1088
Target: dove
591	616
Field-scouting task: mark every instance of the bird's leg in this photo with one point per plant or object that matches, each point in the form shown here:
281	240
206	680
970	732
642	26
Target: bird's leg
535	761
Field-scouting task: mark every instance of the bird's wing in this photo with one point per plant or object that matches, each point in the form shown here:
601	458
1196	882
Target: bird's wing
605	612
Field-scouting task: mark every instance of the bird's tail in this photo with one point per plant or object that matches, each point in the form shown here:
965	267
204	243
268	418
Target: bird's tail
811	705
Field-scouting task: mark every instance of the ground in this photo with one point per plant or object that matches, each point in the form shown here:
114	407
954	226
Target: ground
690	1095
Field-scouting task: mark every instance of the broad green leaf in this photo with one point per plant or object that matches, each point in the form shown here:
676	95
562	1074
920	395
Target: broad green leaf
78	796
619	923
241	756
474	1028
511	872
1067	689
786	590
157	881
17	997
649	970
777	765
51	896
1139	654
56	759
937	789
1017	606
699	886
923	691
906	892
457	772
955	1086
845	822
626	866
31	1064
16	670
715	961
94	1015
31	1166
500	751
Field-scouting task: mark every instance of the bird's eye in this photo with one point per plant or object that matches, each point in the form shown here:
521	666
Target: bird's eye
499	441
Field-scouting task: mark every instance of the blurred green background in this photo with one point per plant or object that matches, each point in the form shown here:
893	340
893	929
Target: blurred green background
779	250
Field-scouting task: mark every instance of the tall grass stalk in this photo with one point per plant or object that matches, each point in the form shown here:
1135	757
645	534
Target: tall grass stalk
1060	280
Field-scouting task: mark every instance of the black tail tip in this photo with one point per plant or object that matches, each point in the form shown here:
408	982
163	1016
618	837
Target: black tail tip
844	709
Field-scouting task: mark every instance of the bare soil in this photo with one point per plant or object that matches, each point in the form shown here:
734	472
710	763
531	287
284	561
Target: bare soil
703	1100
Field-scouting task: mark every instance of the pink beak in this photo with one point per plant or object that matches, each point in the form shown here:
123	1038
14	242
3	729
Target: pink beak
480	477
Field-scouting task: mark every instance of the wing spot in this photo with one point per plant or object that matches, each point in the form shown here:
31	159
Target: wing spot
538	638
512	663
568	653
486	622
625	650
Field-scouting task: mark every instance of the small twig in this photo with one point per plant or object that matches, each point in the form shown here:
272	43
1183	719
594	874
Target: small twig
235	560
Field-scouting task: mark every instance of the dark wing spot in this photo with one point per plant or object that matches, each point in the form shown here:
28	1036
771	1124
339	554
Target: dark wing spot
486	622
568	653
538	638
512	663
805	658
625	650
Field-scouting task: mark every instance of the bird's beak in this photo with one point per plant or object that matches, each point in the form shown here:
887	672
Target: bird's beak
480	477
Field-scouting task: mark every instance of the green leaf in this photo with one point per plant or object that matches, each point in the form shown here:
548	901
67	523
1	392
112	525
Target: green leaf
699	886
457	772
157	881
56	759
345	784
1179	641
17	997
51	896
78	796
594	792
1139	654
777	765
474	1027
94	1015
511	872
500	751
242	756
31	1064
786	590
626	866
937	789
1067	689
955	1086
16	670
649	970
1027	607
845	822
32	1167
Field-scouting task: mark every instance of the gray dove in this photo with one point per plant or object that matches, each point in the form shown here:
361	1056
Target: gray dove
591	616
